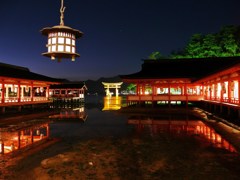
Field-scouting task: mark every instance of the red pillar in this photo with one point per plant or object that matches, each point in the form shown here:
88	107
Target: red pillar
169	94
19	92
19	139
31	93
239	91
143	89
47	92
3	92
210	92
153	89
186	94
229	91
221	98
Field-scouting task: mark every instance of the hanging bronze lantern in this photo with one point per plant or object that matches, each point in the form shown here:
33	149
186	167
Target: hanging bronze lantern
61	40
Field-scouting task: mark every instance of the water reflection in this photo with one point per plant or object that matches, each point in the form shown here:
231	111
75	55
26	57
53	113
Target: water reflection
19	136
76	113
112	103
181	128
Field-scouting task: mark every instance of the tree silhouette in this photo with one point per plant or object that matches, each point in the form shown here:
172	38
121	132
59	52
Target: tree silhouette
224	43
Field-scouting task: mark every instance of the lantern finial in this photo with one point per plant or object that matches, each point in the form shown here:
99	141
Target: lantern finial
62	9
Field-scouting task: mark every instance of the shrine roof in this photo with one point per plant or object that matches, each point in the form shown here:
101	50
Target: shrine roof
193	69
69	85
18	72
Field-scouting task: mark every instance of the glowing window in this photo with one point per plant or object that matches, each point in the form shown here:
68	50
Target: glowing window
60	40
49	41
53	48
68	48
73	42
73	49
68	41
60	48
49	48
54	41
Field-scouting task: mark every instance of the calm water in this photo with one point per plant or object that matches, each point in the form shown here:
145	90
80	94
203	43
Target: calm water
95	121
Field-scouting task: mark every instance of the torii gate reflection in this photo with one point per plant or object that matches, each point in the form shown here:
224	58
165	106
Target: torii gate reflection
112	103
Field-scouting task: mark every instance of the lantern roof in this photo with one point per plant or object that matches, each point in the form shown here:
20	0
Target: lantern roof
60	28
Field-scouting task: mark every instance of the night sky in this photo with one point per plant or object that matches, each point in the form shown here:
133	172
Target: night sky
117	34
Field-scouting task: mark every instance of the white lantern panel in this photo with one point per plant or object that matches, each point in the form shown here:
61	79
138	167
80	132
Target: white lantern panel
60	40
60	48
68	48
49	48
68	41
54	41
49	41
53	48
73	49
73	42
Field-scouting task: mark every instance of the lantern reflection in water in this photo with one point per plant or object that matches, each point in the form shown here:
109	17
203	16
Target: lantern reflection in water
112	103
19	136
181	127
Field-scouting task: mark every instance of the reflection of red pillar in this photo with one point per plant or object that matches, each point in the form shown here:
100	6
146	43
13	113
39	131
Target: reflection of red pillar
2	148
222	143
19	140
47	130
205	131
211	136
31	133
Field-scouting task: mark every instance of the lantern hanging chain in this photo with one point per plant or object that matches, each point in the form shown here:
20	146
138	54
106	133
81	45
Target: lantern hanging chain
62	9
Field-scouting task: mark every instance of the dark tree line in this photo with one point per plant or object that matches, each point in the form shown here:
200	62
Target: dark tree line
224	43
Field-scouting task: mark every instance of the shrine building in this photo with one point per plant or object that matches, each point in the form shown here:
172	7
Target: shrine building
214	81
19	87
71	90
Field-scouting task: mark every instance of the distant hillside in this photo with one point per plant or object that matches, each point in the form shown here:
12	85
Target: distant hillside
97	86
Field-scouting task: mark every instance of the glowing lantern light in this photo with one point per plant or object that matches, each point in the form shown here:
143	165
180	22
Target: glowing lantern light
61	40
